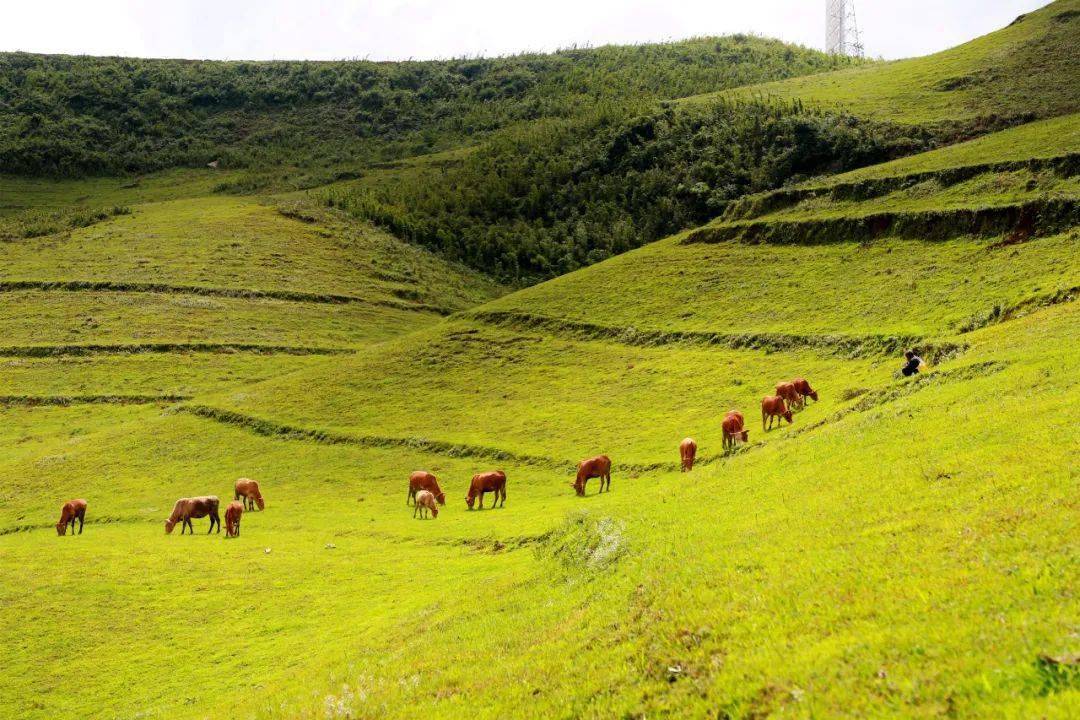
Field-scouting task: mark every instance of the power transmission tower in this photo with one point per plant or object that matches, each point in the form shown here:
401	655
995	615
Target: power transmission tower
841	30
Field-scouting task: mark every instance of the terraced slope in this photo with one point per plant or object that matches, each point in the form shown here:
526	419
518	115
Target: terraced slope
155	299
1015	71
908	234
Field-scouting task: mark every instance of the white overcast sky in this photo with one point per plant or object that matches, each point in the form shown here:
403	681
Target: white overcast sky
423	29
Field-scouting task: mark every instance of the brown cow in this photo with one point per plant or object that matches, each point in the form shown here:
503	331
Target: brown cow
596	467
71	511
494	482
423	480
249	490
791	396
233	511
425	502
733	429
687	453
194	507
773	406
803	388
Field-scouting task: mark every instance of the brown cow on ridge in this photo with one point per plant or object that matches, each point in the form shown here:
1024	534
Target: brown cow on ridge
733	428
687	453
71	511
425	503
494	482
773	407
596	467
803	388
233	511
423	480
791	396
249	490
194	507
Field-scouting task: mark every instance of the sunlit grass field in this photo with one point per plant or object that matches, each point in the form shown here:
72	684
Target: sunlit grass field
1055	137
848	570
1018	69
905	548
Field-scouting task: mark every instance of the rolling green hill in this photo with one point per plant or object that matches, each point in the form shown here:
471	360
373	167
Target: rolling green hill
904	548
71	115
1028	69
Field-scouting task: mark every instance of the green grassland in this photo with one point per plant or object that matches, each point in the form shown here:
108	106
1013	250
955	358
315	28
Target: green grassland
985	190
1015	71
181	372
245	244
1051	138
832	573
909	286
905	548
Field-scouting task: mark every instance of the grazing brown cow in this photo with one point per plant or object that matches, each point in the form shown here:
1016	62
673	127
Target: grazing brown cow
71	511
597	467
733	429
249	490
423	480
687	453
493	482
194	507
772	407
425	502
803	388
791	396
233	511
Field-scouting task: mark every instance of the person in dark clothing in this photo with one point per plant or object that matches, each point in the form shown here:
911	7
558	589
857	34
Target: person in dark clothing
911	367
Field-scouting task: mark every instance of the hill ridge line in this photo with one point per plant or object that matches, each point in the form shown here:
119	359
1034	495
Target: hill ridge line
66	400
239	293
271	428
41	351
850	345
1021	308
284	431
757	204
882	396
1045	215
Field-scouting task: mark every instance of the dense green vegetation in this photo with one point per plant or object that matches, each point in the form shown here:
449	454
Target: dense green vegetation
559	195
541	200
76	115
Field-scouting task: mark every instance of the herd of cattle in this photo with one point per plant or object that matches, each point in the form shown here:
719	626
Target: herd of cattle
425	494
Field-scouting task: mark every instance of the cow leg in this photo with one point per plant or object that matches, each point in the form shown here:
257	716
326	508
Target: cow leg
82	519
481	500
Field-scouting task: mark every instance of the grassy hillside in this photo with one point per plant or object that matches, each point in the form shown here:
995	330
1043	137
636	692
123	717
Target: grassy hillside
841	566
1027	69
554	196
180	296
904	548
546	198
75	115
1043	139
